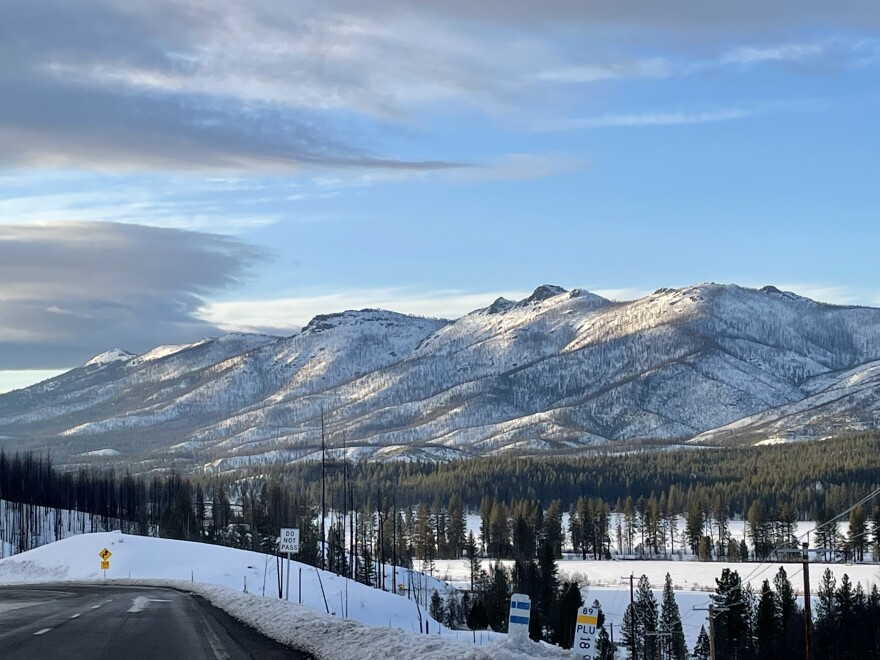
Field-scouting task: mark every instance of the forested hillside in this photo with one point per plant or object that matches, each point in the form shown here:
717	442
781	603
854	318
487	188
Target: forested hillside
560	372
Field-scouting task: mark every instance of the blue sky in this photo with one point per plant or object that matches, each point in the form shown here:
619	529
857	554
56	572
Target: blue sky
185	167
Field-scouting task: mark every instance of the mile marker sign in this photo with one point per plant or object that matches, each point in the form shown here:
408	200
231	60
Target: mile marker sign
585	633
289	540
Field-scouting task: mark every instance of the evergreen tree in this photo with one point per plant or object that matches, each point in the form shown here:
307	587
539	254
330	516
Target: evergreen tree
478	618
646	610
457	528
732	633
673	645
553	527
701	647
694	526
570	602
768	626
790	619
847	638
436	609
641	618
471	551
827	624
857	534
605	650
548	602
497	598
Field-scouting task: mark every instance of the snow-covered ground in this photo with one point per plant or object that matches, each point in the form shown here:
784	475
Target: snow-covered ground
608	581
378	625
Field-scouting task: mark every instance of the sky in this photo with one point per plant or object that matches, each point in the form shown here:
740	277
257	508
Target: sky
176	169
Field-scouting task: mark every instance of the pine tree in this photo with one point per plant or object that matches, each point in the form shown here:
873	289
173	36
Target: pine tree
694	526
845	597
674	647
857	535
768	626
471	551
548	602
436	609
701	647
497	598
570	603
646	611
827	614
790	619
457	528
478	618
732	633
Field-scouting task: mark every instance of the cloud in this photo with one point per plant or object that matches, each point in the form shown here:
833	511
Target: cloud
285	315
658	119
274	85
827	293
588	73
170	85
76	289
622	294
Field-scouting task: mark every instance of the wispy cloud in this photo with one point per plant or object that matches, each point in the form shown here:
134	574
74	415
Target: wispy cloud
656	119
777	53
657	67
282	315
270	86
827	293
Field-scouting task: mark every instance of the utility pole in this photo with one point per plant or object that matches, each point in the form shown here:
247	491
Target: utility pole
808	615
323	490
633	648
713	612
804	551
711	632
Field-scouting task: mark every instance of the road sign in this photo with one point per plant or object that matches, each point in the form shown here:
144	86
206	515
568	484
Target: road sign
585	633
520	613
104	554
105	565
289	540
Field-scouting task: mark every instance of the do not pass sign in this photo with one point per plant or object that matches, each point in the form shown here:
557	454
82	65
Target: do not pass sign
289	541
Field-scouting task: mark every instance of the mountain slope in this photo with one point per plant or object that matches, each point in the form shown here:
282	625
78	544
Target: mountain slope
558	371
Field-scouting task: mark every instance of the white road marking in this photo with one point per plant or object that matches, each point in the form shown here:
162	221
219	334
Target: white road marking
42	632
74	616
94	607
215	643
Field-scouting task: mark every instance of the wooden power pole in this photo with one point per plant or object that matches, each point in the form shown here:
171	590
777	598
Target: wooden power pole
808	614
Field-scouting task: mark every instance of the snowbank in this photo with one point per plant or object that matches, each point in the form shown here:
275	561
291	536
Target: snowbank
379	626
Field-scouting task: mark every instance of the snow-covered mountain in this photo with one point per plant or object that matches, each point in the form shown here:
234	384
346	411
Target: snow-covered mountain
558	371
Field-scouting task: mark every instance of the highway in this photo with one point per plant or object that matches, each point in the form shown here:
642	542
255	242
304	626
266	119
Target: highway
130	623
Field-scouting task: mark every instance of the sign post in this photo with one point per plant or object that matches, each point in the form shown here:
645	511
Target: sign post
585	633
105	560
520	614
289	543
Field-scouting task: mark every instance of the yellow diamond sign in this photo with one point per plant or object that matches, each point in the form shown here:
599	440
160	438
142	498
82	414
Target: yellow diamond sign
104	554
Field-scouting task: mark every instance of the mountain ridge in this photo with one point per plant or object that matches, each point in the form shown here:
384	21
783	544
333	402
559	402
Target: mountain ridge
557	371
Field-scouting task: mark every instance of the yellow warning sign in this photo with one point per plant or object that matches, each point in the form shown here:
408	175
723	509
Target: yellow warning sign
104	554
105	565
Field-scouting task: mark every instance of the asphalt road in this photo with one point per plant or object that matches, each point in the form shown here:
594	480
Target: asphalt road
130	623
